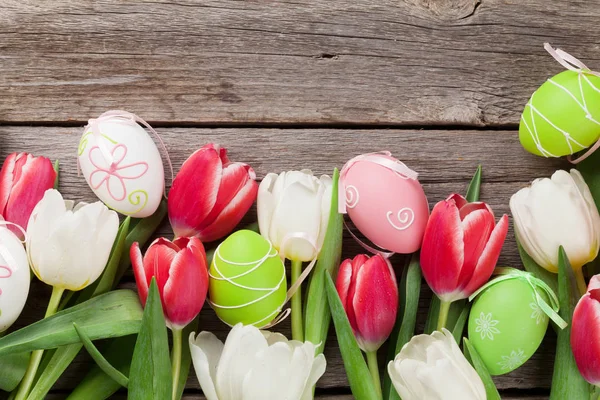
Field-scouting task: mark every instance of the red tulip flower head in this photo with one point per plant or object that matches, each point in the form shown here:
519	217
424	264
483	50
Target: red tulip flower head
585	333
369	293
210	194
23	181
181	276
461	246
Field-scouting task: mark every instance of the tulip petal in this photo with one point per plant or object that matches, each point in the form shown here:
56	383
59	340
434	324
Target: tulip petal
185	290
477	227
375	302
237	359
316	372
357	264
137	264
343	281
206	352
458	199
489	257
194	191
157	262
271	375
6	180
585	330
265	204
232	214
442	254
327	185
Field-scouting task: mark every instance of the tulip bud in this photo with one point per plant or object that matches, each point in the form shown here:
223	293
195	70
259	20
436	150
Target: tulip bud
555	212
585	331
210	195
461	246
181	275
369	293
23	181
293	210
432	367
68	245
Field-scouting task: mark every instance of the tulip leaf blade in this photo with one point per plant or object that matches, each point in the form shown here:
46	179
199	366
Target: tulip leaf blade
97	385
458	326
99	358
56	167
539	272
317	313
473	357
474	186
150	376
13	367
356	368
404	329
567	382
113	314
589	171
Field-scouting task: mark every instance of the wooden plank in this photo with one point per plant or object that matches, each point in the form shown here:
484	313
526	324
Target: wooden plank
416	62
445	159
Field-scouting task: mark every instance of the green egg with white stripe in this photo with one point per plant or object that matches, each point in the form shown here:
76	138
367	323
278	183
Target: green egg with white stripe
247	281
562	116
509	318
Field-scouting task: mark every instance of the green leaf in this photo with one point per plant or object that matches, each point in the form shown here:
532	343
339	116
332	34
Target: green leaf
457	307
567	382
12	369
150	376
404	329
53	365
474	186
477	363
590	170
539	272
112	314
99	359
56	167
317	314
141	233
458	326
361	383
97	385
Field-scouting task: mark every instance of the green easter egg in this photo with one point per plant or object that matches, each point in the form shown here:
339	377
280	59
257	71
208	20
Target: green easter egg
247	281
563	115
506	325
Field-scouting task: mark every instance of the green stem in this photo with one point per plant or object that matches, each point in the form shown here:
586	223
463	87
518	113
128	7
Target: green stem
581	285
374	369
36	356
443	315
297	328
176	360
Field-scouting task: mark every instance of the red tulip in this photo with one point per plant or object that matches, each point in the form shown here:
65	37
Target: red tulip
23	181
210	194
585	333
369	293
461	246
181	276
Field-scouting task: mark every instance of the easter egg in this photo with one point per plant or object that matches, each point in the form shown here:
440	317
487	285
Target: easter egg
247	281
14	278
506	325
122	164
562	116
385	205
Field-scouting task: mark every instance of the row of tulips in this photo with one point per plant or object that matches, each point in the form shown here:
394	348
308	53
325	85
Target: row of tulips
80	250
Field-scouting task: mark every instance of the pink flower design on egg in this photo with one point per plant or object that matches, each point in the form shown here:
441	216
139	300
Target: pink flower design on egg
5	272
114	173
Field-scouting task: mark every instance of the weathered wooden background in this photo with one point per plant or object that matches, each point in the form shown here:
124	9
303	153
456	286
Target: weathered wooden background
295	84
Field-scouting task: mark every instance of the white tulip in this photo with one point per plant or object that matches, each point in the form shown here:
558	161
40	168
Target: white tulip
432	367
554	212
293	212
14	278
255	364
68	245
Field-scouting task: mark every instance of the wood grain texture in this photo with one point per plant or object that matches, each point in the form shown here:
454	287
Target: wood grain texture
445	160
415	62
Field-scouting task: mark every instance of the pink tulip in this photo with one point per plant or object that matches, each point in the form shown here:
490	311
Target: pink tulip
585	333
23	181
210	194
369	293
461	246
181	276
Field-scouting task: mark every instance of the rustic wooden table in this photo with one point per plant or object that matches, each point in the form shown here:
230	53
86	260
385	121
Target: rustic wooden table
296	84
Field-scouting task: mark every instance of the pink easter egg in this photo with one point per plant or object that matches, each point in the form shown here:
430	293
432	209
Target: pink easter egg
389	207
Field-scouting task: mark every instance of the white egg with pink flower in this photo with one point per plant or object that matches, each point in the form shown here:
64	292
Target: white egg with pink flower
122	164
14	278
